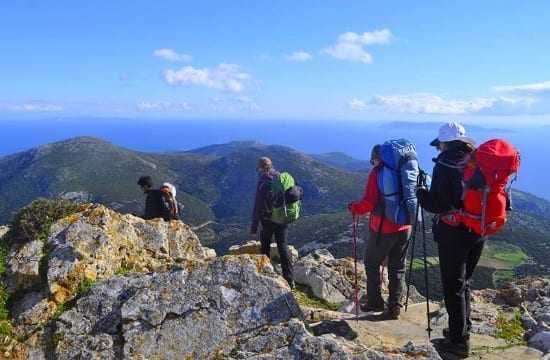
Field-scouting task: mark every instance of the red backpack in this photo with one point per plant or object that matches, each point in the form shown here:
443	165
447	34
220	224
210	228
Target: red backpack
485	196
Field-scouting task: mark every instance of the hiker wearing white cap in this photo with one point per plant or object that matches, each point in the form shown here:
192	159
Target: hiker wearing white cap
459	247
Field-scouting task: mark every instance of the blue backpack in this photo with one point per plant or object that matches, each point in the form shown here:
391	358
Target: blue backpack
397	181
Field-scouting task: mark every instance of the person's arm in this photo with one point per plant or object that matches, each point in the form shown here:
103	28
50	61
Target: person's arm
258	202
370	197
438	199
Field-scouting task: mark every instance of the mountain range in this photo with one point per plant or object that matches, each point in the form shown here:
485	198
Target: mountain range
216	184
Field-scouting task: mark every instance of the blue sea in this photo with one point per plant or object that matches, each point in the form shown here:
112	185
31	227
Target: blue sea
353	138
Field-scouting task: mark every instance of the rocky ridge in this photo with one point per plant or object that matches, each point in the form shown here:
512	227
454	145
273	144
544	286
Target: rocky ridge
110	286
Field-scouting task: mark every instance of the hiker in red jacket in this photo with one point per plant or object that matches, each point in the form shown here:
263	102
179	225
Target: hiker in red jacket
386	240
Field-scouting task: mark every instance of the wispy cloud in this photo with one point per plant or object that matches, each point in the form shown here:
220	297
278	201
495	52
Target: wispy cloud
298	56
357	105
225	77
172	55
233	104
531	89
425	103
351	46
163	106
30	107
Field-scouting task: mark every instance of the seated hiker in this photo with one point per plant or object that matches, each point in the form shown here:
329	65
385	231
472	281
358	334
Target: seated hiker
262	216
386	239
170	208
155	205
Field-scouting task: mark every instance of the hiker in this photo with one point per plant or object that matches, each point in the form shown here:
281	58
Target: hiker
459	247
386	239
262	217
169	202
155	205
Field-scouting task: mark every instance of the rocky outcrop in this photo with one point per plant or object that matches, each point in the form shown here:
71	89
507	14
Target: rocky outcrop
254	247
328	278
199	311
114	286
23	266
536	316
94	244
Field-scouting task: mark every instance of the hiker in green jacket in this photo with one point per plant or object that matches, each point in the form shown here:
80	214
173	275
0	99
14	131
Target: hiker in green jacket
261	216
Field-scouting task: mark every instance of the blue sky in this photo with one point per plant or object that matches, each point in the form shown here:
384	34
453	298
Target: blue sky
485	61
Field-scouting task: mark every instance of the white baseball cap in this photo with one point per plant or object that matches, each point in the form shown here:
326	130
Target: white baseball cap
452	131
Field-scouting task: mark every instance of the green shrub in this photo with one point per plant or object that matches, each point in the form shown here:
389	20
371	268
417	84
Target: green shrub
124	269
511	330
304	296
84	286
33	222
6	328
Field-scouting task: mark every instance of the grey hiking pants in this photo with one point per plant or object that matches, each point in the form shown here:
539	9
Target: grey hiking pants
394	246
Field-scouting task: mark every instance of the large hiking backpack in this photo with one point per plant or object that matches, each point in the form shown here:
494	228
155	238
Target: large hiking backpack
397	181
486	196
287	198
169	195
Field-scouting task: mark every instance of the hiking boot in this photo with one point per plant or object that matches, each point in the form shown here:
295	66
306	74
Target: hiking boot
392	313
459	349
372	308
447	334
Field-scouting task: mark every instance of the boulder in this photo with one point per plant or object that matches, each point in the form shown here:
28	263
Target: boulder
23	266
541	341
254	247
33	309
511	294
98	242
3	231
194	312
330	279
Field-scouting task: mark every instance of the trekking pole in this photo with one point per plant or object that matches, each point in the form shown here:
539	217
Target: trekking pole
413	241
429	329
356	289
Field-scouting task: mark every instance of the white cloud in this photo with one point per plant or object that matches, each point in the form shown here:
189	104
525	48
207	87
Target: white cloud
425	103
172	55
351	46
225	77
30	107
357	105
535	88
299	56
163	106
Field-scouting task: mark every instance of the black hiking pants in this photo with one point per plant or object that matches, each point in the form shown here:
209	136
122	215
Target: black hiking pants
393	246
459	253
280	231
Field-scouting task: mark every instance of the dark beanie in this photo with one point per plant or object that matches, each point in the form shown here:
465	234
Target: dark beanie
375	152
145	181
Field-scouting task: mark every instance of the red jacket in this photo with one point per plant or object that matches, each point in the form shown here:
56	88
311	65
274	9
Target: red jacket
369	202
